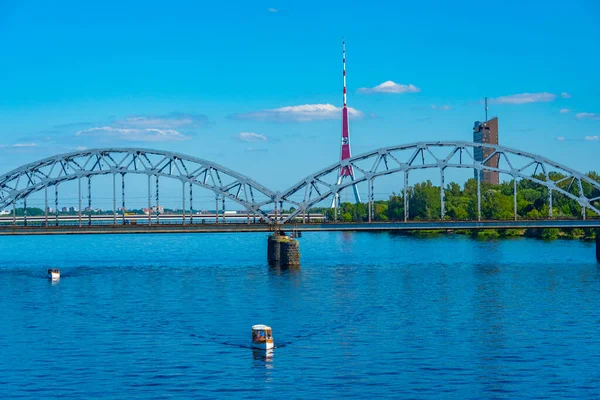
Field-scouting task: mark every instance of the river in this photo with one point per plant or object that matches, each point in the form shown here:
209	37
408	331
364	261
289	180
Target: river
367	314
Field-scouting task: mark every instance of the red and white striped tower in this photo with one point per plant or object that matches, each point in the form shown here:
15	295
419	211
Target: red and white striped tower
345	149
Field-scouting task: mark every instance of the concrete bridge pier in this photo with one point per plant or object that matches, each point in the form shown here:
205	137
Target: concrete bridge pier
282	250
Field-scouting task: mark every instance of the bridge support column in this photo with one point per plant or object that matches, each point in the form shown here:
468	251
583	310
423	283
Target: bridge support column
114	199
442	194
46	206
149	201
56	203
158	202
515	196
282	251
216	209
406	196
369	199
372	205
191	204
281	208
223	207
25	211
123	197
89	200
183	202
478	195
79	188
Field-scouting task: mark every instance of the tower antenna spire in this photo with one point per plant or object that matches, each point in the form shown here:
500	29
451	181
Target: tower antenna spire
344	64
345	153
486	109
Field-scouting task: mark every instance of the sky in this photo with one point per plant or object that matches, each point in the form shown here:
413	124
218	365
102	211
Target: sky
257	86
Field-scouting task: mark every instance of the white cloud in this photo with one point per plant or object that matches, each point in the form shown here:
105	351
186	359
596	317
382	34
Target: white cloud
18	145
524	98
273	10
587	115
134	134
252	137
445	107
168	121
160	128
302	113
391	87
565	110
24	145
592	138
565	95
561	138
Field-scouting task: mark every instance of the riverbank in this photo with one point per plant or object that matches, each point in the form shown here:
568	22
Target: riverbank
540	233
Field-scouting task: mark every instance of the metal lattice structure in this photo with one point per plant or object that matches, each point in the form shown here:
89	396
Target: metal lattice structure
259	201
18	184
441	155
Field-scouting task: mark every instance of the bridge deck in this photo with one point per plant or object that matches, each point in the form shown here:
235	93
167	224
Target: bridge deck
312	227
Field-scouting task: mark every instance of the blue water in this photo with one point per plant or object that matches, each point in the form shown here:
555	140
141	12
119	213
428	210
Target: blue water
367	315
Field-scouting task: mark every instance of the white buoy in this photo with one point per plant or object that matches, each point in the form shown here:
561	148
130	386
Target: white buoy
54	274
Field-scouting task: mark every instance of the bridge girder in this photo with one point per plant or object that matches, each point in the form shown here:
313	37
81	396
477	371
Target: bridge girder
33	177
307	192
390	160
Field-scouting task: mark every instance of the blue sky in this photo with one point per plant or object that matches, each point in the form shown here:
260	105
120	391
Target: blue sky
204	78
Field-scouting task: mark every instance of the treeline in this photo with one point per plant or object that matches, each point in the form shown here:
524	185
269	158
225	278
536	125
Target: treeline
497	202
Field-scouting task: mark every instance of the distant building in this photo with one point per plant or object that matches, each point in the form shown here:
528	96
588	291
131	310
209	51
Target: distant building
4	212
72	209
154	210
487	133
65	209
159	209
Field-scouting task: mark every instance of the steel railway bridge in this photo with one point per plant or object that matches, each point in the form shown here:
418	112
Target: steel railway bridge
263	206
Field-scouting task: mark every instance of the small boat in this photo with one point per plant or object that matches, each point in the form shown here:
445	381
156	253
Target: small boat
54	273
262	337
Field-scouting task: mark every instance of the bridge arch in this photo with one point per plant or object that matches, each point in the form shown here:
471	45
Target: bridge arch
33	177
454	154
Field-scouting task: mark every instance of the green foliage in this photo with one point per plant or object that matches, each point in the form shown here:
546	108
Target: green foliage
31	211
550	233
486	233
346	217
510	232
497	203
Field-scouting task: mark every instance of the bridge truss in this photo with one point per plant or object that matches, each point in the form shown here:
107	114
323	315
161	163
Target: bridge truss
439	155
191	171
261	202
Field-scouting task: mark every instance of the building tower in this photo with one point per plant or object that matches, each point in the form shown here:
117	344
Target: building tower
487	132
345	172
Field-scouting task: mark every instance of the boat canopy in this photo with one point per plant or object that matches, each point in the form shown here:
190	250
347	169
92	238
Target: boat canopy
261	327
261	333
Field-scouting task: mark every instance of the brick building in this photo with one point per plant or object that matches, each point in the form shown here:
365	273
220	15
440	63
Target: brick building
487	132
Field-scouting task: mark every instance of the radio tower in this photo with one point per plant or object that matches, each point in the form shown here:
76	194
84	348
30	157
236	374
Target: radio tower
345	172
